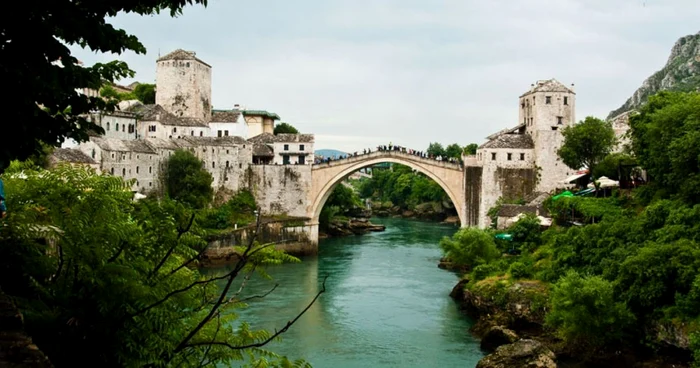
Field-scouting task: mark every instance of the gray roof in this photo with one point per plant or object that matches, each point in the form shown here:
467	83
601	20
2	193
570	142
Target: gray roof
225	116
518	141
181	54
72	155
512	210
550	85
261	149
282	138
153	112
209	141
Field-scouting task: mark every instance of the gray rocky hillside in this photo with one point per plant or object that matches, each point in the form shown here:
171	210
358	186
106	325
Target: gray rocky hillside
681	73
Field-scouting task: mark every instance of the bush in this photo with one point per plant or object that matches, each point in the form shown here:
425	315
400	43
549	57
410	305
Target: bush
520	270
483	271
584	310
470	247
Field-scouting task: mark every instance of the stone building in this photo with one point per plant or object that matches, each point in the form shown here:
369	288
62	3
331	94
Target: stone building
72	157
260	121
286	149
183	85
518	161
226	123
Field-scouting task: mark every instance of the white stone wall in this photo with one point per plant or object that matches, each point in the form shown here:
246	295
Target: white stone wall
294	151
146	130
491	189
239	129
551	169
119	126
281	189
184	88
255	126
226	164
540	116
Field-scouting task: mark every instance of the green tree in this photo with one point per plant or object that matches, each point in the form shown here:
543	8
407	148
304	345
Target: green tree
454	150
584	310
104	281
470	149
435	149
44	97
283	128
587	143
470	247
146	93
666	141
610	164
187	181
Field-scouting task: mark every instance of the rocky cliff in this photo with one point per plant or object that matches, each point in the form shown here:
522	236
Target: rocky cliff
681	72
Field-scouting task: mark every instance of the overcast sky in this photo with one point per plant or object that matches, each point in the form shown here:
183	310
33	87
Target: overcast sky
363	72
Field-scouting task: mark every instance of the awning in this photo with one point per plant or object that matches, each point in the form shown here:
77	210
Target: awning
574	178
605	182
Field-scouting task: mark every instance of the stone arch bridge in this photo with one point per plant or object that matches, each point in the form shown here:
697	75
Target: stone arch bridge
327	175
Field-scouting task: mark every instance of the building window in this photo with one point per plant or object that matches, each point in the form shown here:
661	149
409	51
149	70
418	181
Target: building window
201	133
218	134
213	165
175	130
301	147
131	128
111	171
523	105
510	156
493	156
225	133
566	100
548	100
150	170
108	125
192	133
285	160
522	157
286	147
555	128
117	126
227	164
123	172
150	184
123	127
93	153
227	152
112	154
240	165
302	159
560	120
151	128
137	169
532	121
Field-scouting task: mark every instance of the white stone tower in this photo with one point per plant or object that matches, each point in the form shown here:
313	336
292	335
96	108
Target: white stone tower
183	85
546	109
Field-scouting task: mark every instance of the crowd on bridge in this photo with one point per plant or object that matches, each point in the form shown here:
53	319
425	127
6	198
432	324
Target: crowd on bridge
393	148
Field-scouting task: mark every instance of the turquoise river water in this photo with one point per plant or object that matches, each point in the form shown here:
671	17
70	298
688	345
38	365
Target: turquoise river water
386	305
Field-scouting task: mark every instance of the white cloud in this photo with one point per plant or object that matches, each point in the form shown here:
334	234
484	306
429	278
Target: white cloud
367	72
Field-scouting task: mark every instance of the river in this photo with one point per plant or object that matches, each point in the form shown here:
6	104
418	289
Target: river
386	304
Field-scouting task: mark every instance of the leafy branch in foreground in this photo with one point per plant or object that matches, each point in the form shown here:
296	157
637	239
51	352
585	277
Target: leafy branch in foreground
104	280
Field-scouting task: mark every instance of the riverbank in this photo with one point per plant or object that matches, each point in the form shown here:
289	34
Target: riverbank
510	321
443	212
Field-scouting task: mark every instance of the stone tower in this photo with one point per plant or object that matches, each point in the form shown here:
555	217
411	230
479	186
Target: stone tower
545	110
183	85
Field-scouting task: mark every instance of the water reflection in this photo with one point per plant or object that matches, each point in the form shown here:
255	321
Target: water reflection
386	304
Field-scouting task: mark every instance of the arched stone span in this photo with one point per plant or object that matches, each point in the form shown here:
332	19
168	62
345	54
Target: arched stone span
326	176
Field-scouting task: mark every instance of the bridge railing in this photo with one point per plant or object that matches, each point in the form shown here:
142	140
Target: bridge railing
389	153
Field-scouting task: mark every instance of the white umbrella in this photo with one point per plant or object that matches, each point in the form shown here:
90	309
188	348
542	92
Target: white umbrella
605	182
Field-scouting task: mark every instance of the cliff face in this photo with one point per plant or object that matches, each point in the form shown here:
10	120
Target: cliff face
681	73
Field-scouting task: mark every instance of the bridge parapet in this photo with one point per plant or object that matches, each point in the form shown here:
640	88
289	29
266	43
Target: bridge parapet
394	154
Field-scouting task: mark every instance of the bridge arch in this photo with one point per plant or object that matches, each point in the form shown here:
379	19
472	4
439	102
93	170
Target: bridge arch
327	176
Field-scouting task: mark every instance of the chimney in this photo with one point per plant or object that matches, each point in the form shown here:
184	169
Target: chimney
572	86
237	106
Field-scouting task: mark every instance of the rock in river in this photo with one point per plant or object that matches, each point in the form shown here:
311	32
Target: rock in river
497	336
521	354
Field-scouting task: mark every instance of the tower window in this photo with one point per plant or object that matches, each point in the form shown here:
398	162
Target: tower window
213	165
150	169
510	156
566	100
117	125
555	128
201	133
286	147
227	164
493	156
175	130
192	133
522	157
137	169
548	100
560	120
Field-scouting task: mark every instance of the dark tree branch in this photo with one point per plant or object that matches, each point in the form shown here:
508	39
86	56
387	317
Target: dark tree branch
260	296
275	335
206	352
180	232
118	253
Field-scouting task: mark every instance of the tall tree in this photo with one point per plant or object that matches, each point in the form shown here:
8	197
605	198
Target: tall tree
470	149
454	150
587	143
435	149
145	93
285	128
39	68
187	181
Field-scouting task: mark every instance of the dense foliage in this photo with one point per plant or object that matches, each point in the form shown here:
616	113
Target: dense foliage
43	75
470	246
283	128
187	181
342	200
401	186
587	143
104	281
623	268
144	92
453	150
